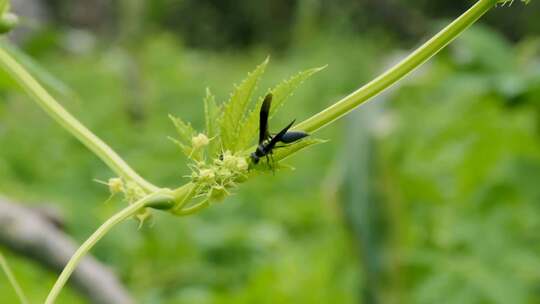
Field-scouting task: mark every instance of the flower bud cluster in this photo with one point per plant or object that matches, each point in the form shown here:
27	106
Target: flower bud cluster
216	179
199	141
132	193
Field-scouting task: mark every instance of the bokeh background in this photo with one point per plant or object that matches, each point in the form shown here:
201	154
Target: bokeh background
429	194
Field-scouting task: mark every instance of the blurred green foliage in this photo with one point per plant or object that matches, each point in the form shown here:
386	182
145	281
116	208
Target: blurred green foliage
461	170
226	24
454	166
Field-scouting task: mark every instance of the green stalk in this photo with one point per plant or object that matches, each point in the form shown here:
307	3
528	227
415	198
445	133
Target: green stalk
192	209
11	277
70	123
402	69
155	198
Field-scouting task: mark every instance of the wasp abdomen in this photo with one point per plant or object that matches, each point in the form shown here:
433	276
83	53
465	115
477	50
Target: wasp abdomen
293	136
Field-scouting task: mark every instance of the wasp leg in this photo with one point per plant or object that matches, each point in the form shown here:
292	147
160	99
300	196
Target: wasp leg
273	164
268	161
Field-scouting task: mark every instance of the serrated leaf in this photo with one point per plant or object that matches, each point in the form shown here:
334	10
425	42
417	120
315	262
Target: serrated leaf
210	109
185	149
235	108
185	131
211	113
280	93
286	89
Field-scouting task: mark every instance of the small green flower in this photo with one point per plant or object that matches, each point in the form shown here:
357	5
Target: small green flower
116	185
218	193
199	141
242	164
207	176
234	163
133	192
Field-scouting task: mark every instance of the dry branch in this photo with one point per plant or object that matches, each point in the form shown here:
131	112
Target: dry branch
30	233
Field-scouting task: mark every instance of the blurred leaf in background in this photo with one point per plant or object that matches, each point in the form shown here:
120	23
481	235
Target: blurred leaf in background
460	172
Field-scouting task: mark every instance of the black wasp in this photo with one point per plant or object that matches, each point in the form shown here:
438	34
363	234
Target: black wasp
267	142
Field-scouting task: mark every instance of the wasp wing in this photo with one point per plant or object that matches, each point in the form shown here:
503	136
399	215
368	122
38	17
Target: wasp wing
279	137
263	118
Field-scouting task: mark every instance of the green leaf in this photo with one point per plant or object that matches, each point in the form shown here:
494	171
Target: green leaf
185	149
185	131
280	93
210	109
283	153
286	89
235	108
211	113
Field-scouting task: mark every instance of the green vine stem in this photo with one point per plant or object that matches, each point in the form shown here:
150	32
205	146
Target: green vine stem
11	278
402	69
159	198
70	123
193	209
